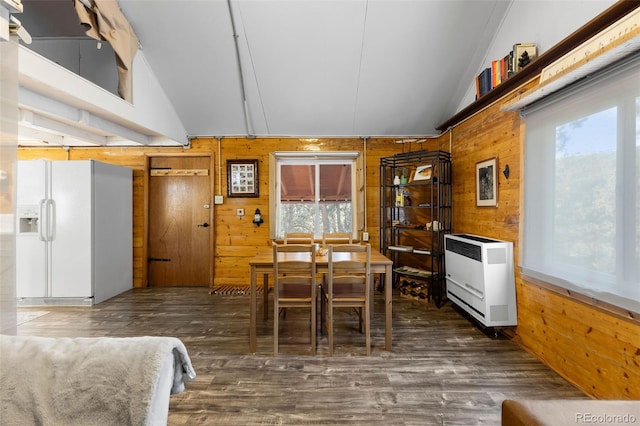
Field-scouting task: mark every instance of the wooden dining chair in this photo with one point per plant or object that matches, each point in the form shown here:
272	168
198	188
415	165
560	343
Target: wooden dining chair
298	238
347	285
337	238
295	286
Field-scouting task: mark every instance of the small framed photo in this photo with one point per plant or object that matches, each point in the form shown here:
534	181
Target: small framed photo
423	172
523	53
486	183
242	178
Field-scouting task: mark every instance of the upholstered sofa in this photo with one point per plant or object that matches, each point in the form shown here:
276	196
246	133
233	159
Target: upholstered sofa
90	381
569	412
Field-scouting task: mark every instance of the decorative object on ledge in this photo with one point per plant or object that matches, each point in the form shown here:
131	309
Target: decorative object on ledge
622	35
523	54
501	69
486	183
242	178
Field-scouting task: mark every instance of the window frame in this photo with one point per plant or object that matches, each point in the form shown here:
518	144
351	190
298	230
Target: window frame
357	188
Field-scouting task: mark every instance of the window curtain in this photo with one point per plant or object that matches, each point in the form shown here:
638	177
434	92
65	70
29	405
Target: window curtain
104	20
582	187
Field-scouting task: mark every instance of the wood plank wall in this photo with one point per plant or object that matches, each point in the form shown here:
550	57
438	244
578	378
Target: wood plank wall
235	240
597	351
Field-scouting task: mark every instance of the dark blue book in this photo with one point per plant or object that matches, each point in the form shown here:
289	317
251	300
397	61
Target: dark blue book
484	82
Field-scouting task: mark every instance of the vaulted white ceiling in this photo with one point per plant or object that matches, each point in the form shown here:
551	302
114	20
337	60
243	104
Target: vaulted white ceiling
315	67
308	67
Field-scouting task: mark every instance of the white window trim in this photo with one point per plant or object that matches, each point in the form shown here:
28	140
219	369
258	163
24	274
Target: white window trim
358	186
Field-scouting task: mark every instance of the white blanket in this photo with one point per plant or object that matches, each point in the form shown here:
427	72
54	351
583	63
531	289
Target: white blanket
90	381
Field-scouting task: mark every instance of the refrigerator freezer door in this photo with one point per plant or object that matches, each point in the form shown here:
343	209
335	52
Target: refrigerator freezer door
71	247
31	266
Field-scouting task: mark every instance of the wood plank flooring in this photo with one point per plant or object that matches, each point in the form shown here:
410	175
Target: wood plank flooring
442	371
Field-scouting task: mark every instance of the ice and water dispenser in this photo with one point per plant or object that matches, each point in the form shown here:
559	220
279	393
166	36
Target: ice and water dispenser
28	219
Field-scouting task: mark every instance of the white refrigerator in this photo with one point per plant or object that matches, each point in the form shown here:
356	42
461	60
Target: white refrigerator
73	233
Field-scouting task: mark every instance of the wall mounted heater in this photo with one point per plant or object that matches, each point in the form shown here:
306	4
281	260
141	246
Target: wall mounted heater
480	278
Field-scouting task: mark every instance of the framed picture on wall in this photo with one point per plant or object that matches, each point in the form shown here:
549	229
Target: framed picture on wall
486	183
242	178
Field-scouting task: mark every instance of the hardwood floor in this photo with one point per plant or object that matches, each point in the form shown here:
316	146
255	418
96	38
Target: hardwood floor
442	370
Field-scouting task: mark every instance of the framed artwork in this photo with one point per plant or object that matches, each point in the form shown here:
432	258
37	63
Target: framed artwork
523	53
242	178
423	172
486	183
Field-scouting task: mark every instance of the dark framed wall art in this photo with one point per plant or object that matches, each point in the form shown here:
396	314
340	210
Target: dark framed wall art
242	178
486	183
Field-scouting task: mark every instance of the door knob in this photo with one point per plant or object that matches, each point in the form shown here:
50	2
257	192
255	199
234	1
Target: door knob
203	225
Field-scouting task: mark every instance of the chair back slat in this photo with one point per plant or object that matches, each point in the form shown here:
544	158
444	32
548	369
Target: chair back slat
337	238
298	238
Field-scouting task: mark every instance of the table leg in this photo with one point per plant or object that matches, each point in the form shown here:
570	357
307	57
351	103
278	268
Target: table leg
265	296
388	293
252	312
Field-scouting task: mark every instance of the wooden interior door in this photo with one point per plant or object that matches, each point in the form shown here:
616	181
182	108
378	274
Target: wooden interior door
180	222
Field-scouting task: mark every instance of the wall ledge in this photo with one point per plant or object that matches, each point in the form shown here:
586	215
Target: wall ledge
534	69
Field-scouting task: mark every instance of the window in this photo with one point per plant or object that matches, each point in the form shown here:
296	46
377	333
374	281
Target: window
582	187
313	192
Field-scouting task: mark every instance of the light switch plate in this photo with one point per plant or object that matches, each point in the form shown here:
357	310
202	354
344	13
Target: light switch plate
218	199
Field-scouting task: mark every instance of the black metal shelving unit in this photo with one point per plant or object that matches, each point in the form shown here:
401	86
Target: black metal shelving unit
415	214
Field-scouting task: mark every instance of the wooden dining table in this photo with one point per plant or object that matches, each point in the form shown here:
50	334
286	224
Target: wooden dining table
262	264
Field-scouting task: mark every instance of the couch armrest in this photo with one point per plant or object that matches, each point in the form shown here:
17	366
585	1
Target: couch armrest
569	412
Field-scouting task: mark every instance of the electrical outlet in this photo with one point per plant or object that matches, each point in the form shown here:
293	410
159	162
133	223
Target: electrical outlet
365	236
218	199
239	212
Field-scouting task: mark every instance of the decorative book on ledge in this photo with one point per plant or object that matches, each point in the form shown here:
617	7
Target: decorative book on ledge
503	68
